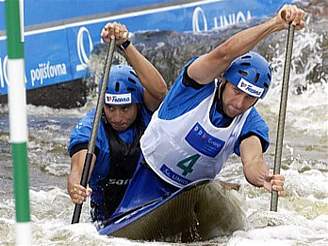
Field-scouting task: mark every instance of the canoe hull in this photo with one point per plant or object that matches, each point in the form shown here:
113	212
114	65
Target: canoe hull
200	213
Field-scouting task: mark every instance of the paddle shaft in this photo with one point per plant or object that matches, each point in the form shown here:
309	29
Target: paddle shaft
282	113
96	121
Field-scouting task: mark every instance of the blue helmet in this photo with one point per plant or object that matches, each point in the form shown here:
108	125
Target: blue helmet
251	73
123	86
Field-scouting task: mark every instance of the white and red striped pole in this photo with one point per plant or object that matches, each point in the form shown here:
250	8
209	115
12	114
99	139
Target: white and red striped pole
18	118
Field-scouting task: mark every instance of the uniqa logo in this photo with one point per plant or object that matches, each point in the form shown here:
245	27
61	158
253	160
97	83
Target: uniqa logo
4	79
198	14
82	35
3	72
200	22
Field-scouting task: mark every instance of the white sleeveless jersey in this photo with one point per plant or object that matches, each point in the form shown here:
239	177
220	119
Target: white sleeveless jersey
189	147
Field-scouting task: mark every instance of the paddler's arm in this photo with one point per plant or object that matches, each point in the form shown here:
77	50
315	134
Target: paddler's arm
151	79
211	65
255	168
77	192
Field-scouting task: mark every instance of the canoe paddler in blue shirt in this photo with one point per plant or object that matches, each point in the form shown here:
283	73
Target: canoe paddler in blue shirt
208	115
132	94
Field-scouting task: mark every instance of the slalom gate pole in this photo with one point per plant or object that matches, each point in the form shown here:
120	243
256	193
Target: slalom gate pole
14	10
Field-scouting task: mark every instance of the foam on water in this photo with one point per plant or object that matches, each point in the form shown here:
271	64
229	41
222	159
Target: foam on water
299	234
307	109
51	213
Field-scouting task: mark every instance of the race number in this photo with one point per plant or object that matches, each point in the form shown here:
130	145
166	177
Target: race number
187	164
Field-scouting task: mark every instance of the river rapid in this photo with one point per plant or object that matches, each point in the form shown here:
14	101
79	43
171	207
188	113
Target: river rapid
302	217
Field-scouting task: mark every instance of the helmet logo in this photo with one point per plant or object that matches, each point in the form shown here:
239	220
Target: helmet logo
249	88
118	99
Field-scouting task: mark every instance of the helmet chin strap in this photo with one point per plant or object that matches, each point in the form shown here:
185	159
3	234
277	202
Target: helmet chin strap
254	103
103	116
222	84
221	87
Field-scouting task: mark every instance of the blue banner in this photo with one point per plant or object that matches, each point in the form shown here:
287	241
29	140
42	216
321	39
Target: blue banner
59	52
44	11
